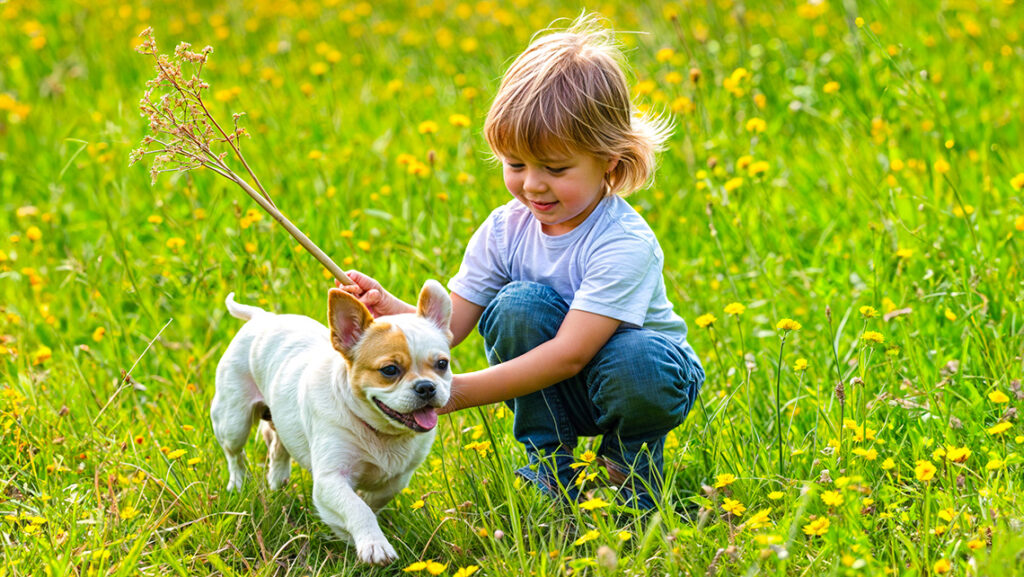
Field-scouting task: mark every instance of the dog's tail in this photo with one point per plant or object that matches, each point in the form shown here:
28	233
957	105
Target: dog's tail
239	311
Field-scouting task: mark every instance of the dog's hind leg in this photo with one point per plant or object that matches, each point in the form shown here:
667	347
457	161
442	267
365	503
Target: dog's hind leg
280	468
232	413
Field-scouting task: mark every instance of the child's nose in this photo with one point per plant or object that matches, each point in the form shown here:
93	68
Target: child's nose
533	182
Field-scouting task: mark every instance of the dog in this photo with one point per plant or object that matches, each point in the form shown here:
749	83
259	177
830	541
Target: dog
354	403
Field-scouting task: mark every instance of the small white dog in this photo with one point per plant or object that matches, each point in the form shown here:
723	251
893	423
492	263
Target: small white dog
355	404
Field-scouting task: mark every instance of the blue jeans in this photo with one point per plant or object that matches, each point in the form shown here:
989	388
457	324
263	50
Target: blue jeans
638	387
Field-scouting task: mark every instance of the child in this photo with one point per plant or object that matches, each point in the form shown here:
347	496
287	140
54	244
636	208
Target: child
566	279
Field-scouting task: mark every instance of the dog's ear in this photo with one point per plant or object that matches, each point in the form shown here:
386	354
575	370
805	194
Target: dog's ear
436	306
348	318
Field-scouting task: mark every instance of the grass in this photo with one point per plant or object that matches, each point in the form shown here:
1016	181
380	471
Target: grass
827	157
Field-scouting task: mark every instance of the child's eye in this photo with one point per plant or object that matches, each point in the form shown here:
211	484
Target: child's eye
558	170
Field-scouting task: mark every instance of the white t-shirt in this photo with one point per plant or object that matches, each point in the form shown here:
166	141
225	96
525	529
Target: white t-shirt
611	264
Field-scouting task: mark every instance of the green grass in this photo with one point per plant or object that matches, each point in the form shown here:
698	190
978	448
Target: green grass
898	187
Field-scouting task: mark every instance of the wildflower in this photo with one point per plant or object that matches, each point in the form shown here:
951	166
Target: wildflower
758	167
459	120
417	504
788	325
868	312
734	309
776	495
733	507
128	512
42	354
800	365
175	243
832	498
588	536
176	454
415	567
957	454
595	503
817	527
1017	182
756	125
867	454
888	464
975	544
904	253
942	566
624	536
33	233
665	54
733	183
155	219
759	520
1018	224
831	87
724	480
428	127
995	464
999	428
998	397
924	471
706	320
872	337
941	166
466	571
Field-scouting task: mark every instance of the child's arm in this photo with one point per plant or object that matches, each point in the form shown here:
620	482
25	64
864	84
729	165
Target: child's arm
579	338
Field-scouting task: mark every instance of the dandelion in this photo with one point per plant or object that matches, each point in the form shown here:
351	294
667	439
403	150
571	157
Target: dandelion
459	120
831	87
942	566
776	495
817	527
866	454
588	536
756	125
734	309
788	325
706	320
128	512
924	471
994	464
416	567
1017	182
417	504
832	498
624	536
466	571
998	397
435	568
724	480
175	243
888	464
97	335
957	454
941	166
41	355
999	428
176	454
800	365
868	312
428	127
733	507
34	234
757	168
733	183
759	520
595	503
872	337
904	253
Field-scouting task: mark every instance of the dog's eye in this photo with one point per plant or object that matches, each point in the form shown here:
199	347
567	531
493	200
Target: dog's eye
441	365
390	371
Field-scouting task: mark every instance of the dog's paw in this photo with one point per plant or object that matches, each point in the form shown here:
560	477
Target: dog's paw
376	552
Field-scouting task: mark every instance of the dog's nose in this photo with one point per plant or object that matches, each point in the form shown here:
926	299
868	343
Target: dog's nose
424	389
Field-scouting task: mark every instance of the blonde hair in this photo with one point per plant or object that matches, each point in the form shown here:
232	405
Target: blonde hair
567	92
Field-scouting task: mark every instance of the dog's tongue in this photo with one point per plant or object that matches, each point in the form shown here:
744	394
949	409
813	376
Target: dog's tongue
426	418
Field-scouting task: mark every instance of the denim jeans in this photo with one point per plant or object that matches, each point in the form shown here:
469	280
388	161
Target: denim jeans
638	387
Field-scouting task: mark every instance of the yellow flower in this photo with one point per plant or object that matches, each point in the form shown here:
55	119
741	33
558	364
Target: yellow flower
759	520
999	428
460	120
97	335
868	454
624	536
724	480
415	567
588	536
175	243
776	495
417	504
941	166
904	253
942	566
868	312
998	397
1018	223
428	127
733	183
975	544
831	87
832	498
42	354
788	325
800	365
155	219
176	454
995	464
128	512
758	167
33	233
924	471
733	507
888	464
957	454
664	55
818	527
950	315
734	309
435	568
466	571
706	320
595	503
872	337
756	125
1017	182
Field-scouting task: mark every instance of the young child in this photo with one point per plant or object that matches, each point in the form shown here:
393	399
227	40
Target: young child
566	279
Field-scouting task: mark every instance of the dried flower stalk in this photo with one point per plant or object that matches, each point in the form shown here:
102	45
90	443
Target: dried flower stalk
185	136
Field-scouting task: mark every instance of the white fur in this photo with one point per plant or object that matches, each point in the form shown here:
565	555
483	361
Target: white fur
359	457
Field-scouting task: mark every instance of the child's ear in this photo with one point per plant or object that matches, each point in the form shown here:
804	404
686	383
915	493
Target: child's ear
612	163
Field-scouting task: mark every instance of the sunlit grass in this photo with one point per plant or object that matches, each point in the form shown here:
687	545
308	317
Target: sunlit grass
858	173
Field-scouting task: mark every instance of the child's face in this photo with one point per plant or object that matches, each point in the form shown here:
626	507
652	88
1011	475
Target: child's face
560	191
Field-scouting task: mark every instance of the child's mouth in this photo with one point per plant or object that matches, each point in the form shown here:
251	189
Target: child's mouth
542	206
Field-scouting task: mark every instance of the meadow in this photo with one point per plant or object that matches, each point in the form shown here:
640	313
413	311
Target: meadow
842	216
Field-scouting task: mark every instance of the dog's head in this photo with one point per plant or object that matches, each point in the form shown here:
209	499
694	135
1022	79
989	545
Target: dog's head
398	366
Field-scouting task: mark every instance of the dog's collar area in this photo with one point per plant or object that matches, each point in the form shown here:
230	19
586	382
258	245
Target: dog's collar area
420	420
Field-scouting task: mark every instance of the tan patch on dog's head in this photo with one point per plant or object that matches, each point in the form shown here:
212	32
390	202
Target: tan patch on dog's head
382	345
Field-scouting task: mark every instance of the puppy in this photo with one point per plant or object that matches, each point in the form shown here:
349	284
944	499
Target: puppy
355	403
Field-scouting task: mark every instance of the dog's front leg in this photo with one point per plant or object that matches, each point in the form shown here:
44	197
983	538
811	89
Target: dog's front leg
347	514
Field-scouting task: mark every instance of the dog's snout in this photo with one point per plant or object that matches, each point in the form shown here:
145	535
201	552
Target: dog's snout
425	390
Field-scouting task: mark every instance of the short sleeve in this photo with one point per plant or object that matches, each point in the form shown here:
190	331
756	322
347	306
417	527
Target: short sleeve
484	268
621	279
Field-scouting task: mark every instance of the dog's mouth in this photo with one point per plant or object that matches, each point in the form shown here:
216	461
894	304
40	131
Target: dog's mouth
420	420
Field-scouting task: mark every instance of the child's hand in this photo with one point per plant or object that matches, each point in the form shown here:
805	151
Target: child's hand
370	292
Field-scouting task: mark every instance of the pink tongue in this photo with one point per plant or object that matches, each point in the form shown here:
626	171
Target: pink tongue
426	418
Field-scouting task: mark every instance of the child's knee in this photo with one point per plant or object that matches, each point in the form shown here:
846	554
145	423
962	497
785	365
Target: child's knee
520	317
